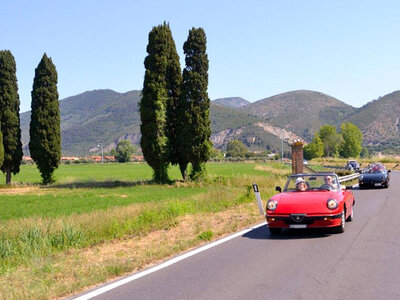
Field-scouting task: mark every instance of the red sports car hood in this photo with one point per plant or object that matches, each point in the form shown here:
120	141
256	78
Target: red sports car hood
312	202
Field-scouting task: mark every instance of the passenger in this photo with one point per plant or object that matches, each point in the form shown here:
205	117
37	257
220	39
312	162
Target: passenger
301	184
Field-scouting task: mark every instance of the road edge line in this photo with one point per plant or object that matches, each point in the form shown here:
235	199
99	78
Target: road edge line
163	265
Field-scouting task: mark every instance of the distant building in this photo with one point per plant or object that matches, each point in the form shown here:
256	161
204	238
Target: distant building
109	158
96	158
69	158
137	157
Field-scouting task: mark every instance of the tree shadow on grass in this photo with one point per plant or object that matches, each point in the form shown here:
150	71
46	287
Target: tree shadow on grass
99	184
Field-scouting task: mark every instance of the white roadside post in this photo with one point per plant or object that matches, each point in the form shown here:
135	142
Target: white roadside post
258	197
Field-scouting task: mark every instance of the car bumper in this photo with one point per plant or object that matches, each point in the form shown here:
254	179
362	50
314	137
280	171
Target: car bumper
307	221
372	183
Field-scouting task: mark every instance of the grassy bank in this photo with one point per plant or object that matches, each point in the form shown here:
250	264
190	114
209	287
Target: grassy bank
389	162
82	230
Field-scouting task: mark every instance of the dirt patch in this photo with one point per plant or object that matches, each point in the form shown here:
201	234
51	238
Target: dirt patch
272	170
19	190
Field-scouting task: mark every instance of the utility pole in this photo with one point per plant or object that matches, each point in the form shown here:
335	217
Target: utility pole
282	145
102	156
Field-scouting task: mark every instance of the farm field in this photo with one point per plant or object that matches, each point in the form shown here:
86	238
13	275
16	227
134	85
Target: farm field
102	221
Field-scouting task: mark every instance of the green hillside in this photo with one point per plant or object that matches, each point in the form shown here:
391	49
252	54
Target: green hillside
105	117
224	118
92	118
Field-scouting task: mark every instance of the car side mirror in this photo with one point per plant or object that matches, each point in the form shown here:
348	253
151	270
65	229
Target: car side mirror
278	189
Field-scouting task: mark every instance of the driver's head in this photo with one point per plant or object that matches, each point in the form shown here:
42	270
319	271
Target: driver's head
328	179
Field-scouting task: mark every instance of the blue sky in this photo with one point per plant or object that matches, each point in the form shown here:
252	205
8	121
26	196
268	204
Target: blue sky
347	49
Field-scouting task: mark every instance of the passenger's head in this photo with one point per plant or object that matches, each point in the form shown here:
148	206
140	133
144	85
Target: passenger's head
300	184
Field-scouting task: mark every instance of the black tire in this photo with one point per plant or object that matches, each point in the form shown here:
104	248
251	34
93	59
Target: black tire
274	231
341	228
351	217
361	186
387	185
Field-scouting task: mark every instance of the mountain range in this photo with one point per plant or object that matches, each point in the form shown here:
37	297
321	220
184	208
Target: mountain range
104	117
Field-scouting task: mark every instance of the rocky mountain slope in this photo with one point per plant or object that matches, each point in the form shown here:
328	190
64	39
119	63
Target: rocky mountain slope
232	102
301	112
379	121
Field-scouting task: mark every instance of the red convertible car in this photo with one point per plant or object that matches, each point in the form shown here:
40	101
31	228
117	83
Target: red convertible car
310	201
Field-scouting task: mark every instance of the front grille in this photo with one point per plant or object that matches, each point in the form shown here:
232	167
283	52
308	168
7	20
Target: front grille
302	218
297	218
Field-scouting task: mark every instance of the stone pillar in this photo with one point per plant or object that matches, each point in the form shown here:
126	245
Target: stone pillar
297	157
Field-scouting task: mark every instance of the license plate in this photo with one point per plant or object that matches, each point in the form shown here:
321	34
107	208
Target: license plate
297	226
378	184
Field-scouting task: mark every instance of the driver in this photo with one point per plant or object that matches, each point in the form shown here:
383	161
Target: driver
300	184
328	183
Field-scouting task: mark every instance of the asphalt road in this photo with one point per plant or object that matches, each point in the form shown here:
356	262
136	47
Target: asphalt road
361	263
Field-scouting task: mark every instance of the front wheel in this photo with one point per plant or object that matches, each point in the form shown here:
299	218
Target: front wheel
274	231
342	226
351	217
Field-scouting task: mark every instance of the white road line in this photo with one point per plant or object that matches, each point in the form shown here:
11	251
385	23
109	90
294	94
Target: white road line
172	261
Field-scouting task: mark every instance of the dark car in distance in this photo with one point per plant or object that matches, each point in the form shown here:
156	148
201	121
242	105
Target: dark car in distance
375	175
352	165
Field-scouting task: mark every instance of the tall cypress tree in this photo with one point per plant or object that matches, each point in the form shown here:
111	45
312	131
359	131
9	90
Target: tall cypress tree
196	135
45	138
173	82
153	105
9	115
1	148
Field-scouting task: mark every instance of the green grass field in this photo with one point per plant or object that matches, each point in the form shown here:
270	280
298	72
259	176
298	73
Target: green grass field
85	188
128	172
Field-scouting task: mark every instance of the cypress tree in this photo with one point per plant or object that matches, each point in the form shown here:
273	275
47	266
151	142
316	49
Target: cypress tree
1	148
153	105
197	131
9	115
45	138
173	82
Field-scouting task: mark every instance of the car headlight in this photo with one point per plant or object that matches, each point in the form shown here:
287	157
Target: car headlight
332	204
271	205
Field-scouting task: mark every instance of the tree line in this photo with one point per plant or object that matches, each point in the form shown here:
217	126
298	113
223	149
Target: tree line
174	108
327	142
44	128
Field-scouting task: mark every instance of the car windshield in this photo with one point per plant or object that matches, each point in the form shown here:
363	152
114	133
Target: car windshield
376	170
312	182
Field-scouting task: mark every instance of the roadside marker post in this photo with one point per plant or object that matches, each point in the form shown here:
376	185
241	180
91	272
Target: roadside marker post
258	197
